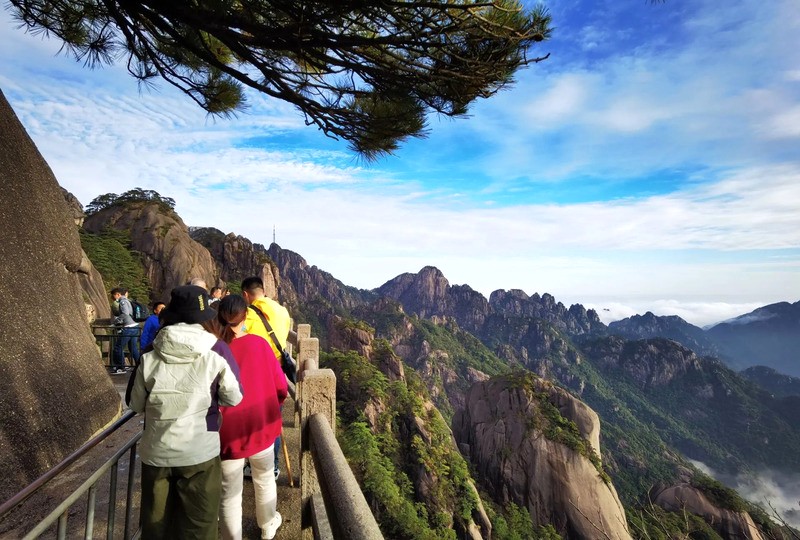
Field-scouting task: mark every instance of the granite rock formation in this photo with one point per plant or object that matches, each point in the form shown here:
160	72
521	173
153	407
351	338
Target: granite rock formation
729	524
505	435
671	327
237	258
169	254
56	392
94	291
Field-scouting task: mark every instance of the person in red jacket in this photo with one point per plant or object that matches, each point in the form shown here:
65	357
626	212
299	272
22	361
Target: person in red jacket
250	428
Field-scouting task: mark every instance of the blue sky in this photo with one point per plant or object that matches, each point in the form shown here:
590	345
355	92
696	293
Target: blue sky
651	163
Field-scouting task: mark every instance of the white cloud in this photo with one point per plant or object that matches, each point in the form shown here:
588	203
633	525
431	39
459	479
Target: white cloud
700	314
711	243
717	96
565	96
785	124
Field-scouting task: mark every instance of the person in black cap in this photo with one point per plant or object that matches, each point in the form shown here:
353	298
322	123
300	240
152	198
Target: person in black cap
179	386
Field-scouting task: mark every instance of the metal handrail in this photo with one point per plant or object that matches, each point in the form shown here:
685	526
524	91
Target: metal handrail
110	336
61	512
34	486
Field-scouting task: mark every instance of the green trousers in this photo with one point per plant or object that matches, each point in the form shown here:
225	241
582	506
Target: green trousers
181	502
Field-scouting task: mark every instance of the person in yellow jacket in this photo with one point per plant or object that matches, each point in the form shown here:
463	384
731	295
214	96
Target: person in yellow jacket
278	319
277	316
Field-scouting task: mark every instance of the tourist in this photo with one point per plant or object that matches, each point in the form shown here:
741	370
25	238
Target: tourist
178	387
271	321
249	429
198	282
127	332
215	294
151	326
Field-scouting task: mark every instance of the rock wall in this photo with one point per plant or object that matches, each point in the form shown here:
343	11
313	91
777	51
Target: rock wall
94	291
498	430
56	393
170	256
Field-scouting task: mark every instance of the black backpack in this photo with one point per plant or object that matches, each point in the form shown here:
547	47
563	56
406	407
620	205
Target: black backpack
140	311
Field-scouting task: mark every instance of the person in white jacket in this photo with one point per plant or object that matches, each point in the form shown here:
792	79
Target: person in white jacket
179	386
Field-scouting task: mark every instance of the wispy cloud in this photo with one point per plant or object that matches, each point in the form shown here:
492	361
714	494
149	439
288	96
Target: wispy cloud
629	171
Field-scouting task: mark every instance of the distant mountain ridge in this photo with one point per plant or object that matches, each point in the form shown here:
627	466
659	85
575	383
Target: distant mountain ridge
775	383
768	336
672	327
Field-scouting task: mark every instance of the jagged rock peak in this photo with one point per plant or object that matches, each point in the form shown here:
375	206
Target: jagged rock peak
575	320
424	293
303	284
236	256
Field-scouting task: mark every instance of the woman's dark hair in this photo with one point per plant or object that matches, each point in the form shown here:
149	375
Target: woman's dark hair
212	326
232	309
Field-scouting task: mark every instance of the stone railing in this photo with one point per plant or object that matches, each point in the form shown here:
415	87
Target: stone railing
333	505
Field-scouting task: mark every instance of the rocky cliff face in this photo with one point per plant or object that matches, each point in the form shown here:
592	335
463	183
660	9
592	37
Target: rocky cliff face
170	256
346	336
729	524
520	328
237	257
428	294
56	392
515	434
574	321
303	283
652	362
94	291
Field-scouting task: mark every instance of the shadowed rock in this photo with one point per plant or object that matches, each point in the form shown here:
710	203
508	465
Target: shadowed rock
56	392
94	290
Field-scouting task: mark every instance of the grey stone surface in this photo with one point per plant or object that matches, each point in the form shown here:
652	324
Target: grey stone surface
56	392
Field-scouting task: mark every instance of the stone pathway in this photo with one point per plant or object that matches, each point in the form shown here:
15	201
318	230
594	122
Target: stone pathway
288	497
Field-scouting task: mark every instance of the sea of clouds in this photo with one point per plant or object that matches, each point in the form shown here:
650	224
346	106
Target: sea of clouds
773	490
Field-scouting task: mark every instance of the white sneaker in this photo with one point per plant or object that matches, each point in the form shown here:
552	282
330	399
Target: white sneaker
268	533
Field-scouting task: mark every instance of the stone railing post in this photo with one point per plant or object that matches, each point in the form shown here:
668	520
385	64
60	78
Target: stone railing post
307	349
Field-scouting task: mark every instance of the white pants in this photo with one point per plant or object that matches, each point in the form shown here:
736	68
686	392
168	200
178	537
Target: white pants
266	492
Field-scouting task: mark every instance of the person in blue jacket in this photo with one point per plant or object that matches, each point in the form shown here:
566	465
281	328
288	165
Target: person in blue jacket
151	326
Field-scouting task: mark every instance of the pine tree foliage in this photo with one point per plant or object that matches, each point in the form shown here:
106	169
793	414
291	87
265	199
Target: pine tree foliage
107	200
364	71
